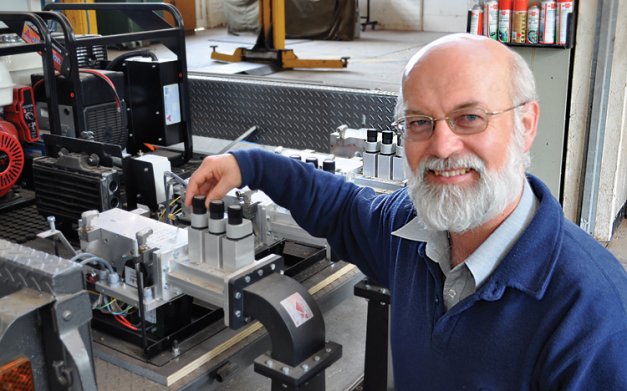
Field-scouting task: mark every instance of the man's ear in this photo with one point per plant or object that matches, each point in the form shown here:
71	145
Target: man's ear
529	120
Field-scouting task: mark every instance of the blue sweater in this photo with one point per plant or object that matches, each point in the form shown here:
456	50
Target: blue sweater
552	316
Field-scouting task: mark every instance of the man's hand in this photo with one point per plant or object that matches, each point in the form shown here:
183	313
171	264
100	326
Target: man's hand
215	177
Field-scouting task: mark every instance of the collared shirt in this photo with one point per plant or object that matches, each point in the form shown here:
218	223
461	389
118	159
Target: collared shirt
465	278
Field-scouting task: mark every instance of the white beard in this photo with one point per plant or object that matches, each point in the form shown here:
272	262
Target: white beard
457	208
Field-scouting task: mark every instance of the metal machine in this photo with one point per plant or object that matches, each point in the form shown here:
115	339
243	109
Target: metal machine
270	45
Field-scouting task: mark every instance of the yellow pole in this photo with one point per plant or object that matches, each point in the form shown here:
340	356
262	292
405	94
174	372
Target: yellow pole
265	18
278	24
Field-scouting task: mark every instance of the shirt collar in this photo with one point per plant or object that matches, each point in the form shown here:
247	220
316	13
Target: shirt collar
491	252
484	260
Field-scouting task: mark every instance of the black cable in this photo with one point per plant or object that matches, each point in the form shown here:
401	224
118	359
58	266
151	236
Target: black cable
113	65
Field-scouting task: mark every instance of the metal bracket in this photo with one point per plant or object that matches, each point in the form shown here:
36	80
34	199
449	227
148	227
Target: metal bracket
70	313
235	311
295	377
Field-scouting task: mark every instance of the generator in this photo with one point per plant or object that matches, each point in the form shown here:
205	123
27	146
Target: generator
101	103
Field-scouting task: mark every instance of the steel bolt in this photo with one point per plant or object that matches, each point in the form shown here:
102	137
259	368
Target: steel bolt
316	358
305	367
247	279
260	272
238	314
269	363
67	315
51	220
285	370
238	295
272	266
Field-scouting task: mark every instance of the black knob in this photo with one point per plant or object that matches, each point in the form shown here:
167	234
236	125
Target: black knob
328	165
387	136
399	140
235	215
312	160
198	205
216	210
295	156
372	135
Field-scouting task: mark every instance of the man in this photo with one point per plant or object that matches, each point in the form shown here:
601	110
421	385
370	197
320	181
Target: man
491	288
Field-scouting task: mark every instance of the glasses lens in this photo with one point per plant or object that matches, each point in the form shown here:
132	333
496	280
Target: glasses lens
471	120
418	127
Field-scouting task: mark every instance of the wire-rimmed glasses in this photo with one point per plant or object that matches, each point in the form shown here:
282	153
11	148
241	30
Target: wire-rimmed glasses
469	120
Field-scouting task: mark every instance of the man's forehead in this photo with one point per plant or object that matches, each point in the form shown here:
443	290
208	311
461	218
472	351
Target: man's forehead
463	48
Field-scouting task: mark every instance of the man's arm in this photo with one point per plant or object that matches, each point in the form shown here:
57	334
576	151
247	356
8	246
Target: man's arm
325	205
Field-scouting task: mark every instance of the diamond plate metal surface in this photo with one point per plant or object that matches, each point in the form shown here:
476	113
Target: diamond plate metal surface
291	115
22	266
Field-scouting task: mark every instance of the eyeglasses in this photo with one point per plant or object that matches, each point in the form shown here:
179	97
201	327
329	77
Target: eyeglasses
464	121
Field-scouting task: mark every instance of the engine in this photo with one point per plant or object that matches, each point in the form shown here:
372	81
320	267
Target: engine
11	157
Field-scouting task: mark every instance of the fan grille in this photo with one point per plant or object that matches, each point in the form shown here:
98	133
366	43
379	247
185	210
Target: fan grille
11	162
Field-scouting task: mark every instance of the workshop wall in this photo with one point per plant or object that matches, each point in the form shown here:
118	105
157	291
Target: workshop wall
403	15
445	15
210	13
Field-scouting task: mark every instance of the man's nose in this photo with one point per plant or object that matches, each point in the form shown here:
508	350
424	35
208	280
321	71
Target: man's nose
444	142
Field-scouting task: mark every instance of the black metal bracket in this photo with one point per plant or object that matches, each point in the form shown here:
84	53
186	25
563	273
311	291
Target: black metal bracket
297	332
297	377
376	359
236	309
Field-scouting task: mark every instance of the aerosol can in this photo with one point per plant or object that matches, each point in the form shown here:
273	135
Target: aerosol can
476	20
547	21
564	8
519	21
491	18
533	23
505	12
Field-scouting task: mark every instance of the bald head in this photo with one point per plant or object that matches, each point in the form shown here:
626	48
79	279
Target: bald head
467	59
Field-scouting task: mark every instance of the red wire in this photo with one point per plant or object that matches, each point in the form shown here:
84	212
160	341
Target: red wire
106	79
124	322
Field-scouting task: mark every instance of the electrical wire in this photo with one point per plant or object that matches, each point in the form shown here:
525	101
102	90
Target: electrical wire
169	178
104	77
92	258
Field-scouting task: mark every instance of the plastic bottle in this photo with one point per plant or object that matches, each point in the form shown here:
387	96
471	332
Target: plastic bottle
533	23
547	21
491	18
564	8
519	21
505	12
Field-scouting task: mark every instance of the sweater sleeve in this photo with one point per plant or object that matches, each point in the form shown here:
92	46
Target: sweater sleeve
354	220
597	366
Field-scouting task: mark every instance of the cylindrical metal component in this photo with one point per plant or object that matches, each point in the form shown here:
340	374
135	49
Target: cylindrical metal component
533	23
217	222
328	165
387	139
476	20
564	8
505	12
547	21
198	204
371	135
199	212
235	215
519	21
491	18
216	210
313	160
